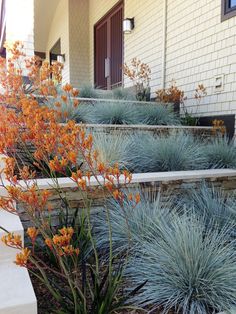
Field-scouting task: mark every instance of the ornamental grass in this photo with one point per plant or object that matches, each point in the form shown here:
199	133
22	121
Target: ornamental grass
187	269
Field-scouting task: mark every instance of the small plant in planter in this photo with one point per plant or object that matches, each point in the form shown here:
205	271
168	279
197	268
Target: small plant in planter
200	93
219	127
171	95
176	96
139	74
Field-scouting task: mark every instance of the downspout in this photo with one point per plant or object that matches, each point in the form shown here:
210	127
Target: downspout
2	24
164	35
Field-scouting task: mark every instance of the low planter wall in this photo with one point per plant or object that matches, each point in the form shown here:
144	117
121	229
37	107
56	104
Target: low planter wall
205	132
168	183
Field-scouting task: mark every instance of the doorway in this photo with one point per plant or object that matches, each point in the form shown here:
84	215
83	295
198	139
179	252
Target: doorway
55	51
108	49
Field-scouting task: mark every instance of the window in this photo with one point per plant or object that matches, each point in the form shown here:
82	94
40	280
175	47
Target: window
228	9
232	3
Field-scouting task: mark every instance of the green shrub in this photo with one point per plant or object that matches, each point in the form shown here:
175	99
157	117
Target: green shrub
174	152
220	153
157	115
186	269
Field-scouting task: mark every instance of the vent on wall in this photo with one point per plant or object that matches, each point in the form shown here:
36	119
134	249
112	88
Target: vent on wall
219	83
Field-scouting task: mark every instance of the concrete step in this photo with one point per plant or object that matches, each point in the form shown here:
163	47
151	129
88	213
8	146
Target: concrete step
16	292
13	224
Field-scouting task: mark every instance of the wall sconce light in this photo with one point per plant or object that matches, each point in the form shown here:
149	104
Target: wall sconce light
128	25
61	58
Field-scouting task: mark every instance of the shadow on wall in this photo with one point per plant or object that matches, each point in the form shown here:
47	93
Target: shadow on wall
229	122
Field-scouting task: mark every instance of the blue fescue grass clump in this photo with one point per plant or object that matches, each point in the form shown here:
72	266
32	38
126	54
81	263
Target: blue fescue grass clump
174	152
67	110
116	112
185	257
87	91
217	206
157	114
112	149
187	269
123	93
113	113
220	153
129	223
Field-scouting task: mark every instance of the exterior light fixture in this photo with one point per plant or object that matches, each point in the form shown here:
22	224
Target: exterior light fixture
61	58
128	25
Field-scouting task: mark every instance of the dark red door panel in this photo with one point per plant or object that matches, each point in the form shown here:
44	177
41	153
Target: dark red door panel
100	55
116	48
108	53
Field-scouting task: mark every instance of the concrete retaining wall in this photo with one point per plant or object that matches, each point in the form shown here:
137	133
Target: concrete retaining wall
168	183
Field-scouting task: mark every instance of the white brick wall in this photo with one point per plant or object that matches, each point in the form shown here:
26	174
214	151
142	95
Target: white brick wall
199	48
145	41
79	41
60	30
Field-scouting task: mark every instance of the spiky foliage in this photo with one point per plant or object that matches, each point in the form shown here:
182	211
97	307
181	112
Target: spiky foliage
67	109
113	113
187	269
217	206
174	152
130	224
112	148
87	91
157	114
220	153
68	112
123	93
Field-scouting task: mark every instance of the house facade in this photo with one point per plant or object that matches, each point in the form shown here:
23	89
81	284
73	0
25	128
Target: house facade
192	42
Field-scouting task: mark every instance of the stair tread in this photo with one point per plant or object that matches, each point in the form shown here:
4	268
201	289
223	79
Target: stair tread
16	290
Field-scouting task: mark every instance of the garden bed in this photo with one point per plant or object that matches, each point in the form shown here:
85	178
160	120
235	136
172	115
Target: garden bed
99	241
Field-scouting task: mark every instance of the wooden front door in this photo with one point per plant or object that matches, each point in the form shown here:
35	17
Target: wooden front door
108	54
